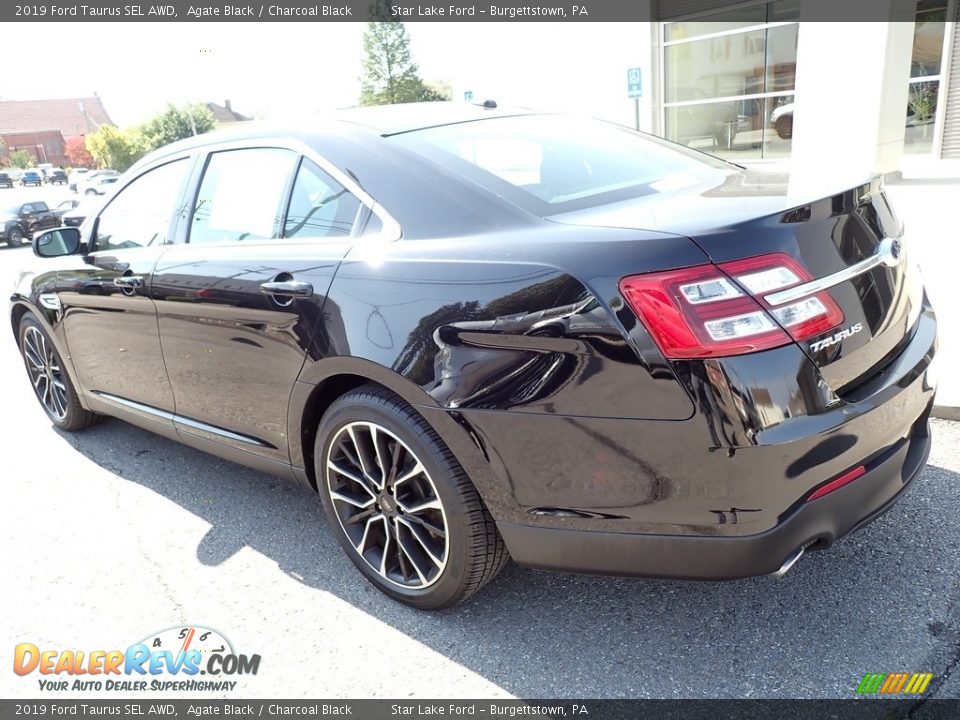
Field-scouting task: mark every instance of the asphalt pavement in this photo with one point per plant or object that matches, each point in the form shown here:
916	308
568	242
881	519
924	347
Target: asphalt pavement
109	535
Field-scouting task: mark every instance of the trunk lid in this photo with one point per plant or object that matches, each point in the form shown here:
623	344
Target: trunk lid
849	239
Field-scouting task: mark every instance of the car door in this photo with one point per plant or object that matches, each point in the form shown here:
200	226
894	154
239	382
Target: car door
43	217
109	319
28	219
239	302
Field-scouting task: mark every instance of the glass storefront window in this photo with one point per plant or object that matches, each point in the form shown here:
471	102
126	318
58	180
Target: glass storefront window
739	18
719	22
928	38
721	89
921	116
925	64
781	59
715	67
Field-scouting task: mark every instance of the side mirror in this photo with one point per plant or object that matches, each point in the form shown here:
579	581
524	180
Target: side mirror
56	243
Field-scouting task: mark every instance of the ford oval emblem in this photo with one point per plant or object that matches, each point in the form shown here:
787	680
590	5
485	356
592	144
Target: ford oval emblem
890	251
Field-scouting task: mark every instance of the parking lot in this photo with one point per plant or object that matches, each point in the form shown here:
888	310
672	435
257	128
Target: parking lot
50	194
113	534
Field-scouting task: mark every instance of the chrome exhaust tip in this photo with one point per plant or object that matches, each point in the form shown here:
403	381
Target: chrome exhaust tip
789	562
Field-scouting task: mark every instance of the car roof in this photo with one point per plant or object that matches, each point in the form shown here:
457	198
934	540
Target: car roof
378	120
406	117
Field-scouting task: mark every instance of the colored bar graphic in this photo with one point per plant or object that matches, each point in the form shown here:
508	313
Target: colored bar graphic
894	683
870	683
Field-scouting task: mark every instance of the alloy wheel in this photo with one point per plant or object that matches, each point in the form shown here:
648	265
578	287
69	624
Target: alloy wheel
45	373
387	505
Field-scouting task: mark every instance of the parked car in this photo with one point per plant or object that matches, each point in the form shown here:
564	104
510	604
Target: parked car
21	220
31	177
63	208
55	177
480	333
100	185
6	180
80	211
781	120
93	178
75	176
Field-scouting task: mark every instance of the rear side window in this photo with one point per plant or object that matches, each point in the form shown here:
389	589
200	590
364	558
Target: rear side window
140	215
242	195
320	206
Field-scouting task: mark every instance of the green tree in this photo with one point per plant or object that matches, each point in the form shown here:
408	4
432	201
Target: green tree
21	159
177	123
434	90
390	74
115	148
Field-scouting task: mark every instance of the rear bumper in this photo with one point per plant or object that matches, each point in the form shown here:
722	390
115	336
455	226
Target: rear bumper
814	525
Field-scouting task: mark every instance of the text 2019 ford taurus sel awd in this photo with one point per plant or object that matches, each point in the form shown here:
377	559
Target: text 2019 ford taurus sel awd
482	334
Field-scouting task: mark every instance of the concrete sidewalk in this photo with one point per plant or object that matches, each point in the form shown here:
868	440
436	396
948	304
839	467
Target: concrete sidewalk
927	205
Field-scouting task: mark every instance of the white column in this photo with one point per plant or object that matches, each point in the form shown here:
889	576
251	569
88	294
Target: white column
851	96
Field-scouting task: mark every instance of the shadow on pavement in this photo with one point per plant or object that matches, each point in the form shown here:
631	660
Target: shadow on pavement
884	599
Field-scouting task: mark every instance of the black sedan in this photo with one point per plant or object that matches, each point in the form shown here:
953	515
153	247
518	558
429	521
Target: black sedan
483	334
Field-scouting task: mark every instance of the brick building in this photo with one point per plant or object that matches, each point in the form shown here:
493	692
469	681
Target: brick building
42	127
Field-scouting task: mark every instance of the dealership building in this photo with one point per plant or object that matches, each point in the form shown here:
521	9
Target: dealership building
755	82
760	81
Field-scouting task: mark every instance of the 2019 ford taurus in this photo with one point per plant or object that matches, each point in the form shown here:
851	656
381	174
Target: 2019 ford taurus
483	334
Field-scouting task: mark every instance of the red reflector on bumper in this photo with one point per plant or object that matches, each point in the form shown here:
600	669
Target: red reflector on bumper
845	479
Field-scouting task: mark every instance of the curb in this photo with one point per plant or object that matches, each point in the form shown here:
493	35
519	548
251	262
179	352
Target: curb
946	412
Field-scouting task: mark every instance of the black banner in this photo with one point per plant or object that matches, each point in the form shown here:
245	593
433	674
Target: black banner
416	11
854	709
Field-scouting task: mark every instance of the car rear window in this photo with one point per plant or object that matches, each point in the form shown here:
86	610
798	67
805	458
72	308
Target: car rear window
555	163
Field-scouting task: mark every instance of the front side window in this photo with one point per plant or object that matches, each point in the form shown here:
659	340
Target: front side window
140	215
320	206
242	195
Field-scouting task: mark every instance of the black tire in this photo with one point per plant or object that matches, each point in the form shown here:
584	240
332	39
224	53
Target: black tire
74	417
784	126
14	237
473	551
90	192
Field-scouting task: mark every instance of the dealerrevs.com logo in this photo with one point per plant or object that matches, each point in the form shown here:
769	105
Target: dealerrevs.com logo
190	658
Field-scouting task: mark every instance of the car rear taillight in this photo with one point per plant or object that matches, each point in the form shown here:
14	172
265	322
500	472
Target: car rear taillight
718	310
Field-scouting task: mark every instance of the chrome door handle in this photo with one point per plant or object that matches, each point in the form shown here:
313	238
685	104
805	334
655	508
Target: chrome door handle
128	281
287	288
